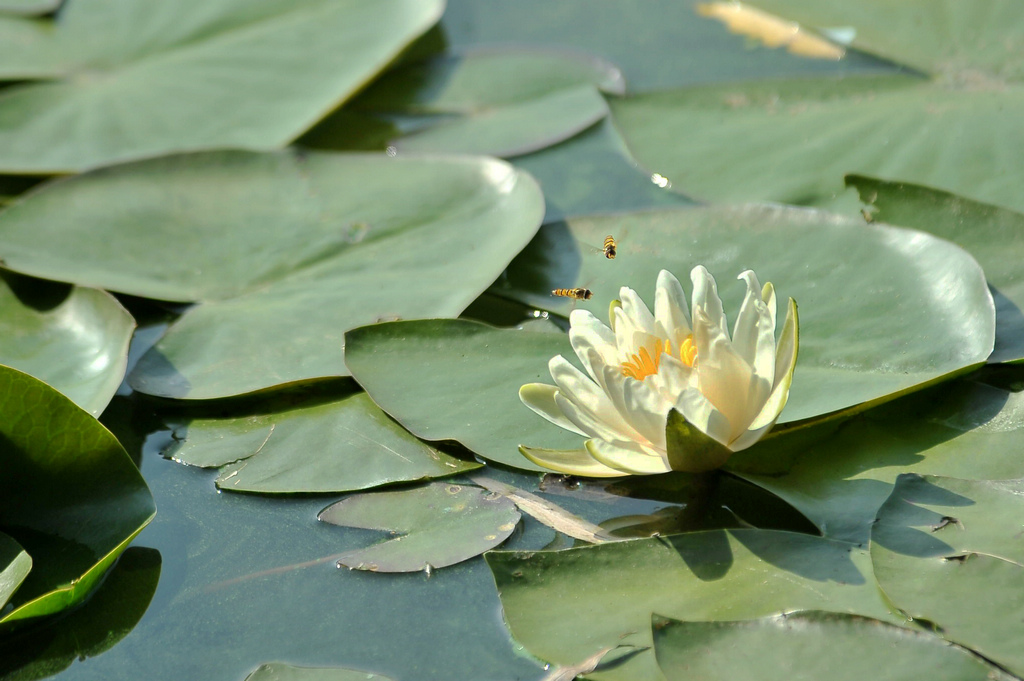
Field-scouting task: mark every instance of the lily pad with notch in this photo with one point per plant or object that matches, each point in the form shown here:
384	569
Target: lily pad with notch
439	524
947	551
339	445
565	606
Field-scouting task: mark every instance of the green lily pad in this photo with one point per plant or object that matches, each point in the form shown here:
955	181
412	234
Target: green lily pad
948	551
439	524
134	81
15	565
69	495
289	249
343	445
109	615
807	646
874	323
76	340
565	606
511	130
993	235
961	429
793	141
474	80
503	102
454	379
279	671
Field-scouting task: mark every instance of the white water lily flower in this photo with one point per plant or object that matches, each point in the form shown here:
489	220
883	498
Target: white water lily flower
729	390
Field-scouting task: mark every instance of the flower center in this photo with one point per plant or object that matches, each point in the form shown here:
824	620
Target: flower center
643	364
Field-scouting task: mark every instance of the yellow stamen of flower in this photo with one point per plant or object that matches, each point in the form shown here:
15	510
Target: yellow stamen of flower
642	364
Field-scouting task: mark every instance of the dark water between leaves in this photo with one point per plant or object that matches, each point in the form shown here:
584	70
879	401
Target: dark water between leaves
220	583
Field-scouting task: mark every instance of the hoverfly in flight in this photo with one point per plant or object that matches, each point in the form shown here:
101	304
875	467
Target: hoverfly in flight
574	293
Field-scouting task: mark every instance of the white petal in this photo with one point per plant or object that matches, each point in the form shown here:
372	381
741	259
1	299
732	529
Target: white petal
725	378
673	377
785	363
637	311
705	296
540	397
750	437
671	313
702	414
570	462
592	411
753	338
590	424
586	333
639	405
768	296
631	459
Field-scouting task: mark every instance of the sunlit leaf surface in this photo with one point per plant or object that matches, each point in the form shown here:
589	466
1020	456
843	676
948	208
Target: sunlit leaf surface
948	551
290	249
74	339
993	235
565	606
134	80
437	525
470	392
69	495
899	308
807	646
339	446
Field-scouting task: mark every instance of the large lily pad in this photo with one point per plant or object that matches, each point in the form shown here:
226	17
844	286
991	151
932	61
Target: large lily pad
439	524
340	446
793	140
291	249
69	495
134	81
948	551
993	235
961	429
875	322
809	646
448	379
76	340
566	606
